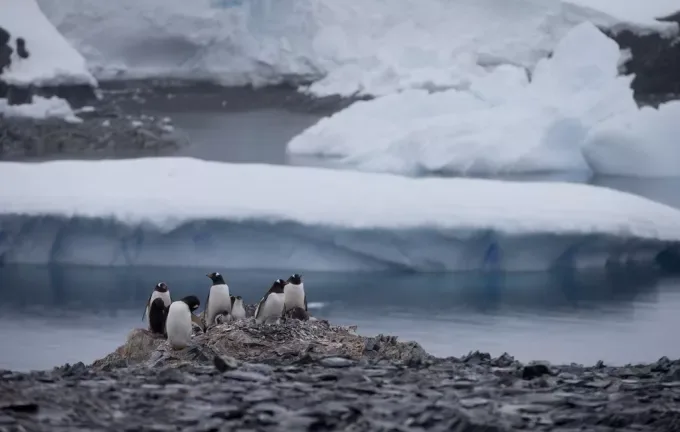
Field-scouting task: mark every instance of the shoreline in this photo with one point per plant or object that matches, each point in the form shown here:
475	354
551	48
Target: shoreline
244	375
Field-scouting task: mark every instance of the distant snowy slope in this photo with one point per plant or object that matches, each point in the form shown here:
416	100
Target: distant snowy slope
177	211
576	114
643	13
371	47
52	60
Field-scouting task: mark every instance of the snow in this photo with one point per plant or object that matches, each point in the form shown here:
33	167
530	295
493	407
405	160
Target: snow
374	47
52	60
41	108
188	212
567	118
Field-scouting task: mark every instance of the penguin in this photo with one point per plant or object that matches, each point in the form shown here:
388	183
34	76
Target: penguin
161	291
295	293
270	307
157	314
218	301
237	310
178	325
21	48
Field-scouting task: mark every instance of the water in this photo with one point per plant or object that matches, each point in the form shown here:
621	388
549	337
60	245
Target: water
53	315
58	314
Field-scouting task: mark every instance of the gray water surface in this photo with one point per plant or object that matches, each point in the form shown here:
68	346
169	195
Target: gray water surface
58	314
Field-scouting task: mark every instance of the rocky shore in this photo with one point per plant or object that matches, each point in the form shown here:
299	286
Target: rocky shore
313	376
106	130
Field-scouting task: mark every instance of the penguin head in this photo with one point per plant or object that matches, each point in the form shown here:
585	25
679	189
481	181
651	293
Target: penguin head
295	279
191	301
216	278
161	287
278	285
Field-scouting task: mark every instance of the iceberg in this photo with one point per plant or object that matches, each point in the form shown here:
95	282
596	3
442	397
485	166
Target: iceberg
52	61
184	212
575	114
343	47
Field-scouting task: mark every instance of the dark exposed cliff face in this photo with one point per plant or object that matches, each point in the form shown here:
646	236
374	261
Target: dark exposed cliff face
655	61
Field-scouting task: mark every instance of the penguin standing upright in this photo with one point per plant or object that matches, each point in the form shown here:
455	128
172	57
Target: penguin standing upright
161	291
237	310
157	316
218	301
295	293
178	322
270	308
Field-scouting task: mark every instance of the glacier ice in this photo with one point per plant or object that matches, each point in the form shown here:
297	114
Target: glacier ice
576	114
188	212
345	46
52	60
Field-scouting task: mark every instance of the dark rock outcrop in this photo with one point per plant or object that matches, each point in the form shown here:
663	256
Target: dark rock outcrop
655	61
106	131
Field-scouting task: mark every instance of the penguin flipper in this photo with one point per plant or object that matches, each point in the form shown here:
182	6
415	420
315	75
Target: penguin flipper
257	311
146	308
205	309
305	302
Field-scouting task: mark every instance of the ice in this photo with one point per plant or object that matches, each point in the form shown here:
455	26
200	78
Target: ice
188	212
567	118
372	47
52	60
41	108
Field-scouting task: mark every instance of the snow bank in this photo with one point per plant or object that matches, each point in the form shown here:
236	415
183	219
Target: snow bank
566	119
41	108
188	212
371	47
52	60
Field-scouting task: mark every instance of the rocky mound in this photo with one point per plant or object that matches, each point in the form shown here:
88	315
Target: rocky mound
291	341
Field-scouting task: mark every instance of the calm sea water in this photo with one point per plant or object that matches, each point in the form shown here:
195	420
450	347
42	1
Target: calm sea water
53	315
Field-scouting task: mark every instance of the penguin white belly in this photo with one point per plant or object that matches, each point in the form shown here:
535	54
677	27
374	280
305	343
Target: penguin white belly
165	296
219	301
272	308
238	312
295	296
178	325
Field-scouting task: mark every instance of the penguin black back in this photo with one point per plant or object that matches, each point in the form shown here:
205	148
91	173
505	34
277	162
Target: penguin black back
216	278
157	316
191	301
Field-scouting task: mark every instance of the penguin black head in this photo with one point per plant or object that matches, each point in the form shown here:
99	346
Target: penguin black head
296	279
278	285
21	48
161	287
191	301
216	278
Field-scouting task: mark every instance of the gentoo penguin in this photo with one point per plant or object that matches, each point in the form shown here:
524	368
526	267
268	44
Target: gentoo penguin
295	293
218	301
178	322
157	315
160	291
237	310
270	308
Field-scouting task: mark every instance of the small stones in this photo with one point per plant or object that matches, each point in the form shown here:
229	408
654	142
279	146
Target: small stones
224	363
246	376
534	371
336	362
